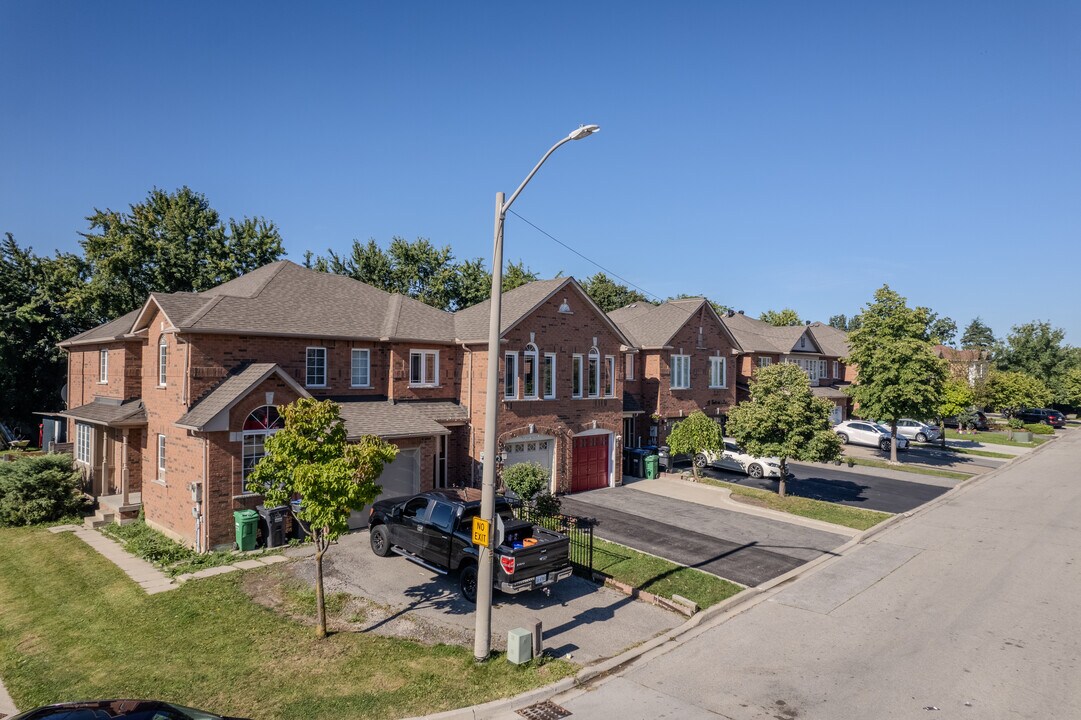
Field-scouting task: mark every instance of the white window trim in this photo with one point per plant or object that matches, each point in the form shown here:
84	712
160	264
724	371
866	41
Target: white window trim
578	364
680	369
610	362
628	369
163	361
594	354
356	353
103	367
83	443
552	395
161	456
531	351
723	362
307	366
425	381
836	369
510	383
764	361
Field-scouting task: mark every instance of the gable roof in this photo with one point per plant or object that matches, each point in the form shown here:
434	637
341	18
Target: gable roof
471	324
654	326
758	336
833	341
107	411
111	331
212	411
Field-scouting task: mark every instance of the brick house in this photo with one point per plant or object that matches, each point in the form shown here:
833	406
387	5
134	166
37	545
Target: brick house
683	363
169	405
969	365
818	349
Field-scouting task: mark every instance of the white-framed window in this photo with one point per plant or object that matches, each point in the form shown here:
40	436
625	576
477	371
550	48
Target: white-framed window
593	379
822	368
83	434
836	369
315	374
530	390
259	425
718	372
510	376
765	361
576	376
103	366
424	367
628	366
360	368
548	376
681	372
609	375
163	360
161	456
814	369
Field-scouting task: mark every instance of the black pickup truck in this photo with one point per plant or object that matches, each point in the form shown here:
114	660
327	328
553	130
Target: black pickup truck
435	529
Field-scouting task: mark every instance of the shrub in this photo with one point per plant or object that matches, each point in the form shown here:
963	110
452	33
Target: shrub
1040	429
1015	423
547	504
526	479
38	489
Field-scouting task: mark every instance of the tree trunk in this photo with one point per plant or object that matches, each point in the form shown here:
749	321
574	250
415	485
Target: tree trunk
942	431
893	441
320	604
782	488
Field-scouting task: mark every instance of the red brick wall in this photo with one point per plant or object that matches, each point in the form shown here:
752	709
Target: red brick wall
399	387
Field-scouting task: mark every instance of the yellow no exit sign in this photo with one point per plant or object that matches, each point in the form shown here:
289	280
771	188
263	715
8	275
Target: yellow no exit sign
481	532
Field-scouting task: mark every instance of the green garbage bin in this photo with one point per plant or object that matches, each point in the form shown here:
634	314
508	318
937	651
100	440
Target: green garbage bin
652	467
247	523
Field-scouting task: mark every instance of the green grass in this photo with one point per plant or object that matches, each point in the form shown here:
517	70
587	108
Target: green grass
909	468
995	438
659	576
856	518
140	539
74	626
970	451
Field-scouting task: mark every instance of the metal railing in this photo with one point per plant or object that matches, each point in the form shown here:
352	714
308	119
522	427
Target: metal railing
578	529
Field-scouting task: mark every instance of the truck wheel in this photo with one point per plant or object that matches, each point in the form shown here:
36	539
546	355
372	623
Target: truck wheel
754	470
467	582
380	540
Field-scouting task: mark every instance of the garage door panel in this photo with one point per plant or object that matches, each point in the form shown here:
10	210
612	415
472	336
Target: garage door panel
589	463
401	477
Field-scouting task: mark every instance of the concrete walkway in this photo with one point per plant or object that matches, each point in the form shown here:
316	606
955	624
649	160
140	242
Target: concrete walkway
7	705
669	485
148	577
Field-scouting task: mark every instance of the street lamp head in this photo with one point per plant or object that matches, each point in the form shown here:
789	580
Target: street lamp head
584	131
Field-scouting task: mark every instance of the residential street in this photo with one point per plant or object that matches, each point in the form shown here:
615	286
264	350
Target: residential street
966	609
737	546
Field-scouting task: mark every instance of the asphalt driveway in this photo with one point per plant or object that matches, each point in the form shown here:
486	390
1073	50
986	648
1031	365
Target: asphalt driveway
736	546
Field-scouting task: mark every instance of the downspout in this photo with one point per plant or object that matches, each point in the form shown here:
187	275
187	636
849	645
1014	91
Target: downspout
187	372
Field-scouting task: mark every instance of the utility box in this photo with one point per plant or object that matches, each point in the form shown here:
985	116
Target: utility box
273	521
247	523
520	646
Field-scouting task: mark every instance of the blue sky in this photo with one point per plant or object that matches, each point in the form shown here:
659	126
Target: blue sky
766	154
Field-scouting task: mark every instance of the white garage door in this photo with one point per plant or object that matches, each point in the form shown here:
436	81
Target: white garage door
531	448
401	477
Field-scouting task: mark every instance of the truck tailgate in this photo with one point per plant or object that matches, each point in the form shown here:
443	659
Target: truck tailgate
551	552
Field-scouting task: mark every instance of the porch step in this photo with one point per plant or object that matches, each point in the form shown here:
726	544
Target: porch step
99	519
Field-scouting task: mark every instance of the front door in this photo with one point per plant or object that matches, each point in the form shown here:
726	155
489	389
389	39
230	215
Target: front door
589	463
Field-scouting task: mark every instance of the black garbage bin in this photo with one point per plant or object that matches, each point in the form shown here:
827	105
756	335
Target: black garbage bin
272	523
296	531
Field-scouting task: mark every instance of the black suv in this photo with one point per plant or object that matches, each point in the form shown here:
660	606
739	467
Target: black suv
981	421
1042	416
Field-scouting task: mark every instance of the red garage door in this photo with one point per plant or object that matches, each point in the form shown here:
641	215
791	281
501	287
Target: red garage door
589	461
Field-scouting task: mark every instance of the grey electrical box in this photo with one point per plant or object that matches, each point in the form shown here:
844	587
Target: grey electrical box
520	646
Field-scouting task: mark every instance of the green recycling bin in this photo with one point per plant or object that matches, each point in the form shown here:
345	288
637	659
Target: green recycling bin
247	523
652	467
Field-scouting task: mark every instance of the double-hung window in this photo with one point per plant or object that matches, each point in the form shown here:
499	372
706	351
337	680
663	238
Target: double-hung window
510	376
548	376
82	442
316	371
628	370
609	375
836	369
163	360
360	370
718	372
529	372
161	457
681	372
424	367
576	376
764	361
594	378
103	366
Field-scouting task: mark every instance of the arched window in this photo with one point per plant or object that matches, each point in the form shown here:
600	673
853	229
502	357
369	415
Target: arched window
260	424
594	375
529	371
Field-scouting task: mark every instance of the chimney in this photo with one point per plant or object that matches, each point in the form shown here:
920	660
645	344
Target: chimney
740	312
806	322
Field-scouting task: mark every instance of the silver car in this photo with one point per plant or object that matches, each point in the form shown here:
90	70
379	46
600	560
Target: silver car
916	430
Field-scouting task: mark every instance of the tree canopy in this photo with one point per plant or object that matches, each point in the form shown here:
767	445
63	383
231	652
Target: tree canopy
1036	349
843	322
696	434
718	307
899	374
781	318
609	294
1007	391
977	336
783	418
941	330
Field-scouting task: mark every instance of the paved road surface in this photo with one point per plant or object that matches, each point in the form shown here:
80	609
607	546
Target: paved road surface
966	610
747	549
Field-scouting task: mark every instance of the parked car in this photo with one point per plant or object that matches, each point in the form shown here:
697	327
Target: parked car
916	430
109	709
435	530
734	458
1042	416
865	432
981	421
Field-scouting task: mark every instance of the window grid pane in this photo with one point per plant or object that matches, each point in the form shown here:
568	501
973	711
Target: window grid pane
549	376
316	367
360	370
610	379
576	376
510	376
163	357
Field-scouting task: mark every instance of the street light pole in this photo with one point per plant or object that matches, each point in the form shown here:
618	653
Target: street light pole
482	641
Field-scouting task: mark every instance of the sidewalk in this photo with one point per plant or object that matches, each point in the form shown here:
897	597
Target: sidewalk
7	705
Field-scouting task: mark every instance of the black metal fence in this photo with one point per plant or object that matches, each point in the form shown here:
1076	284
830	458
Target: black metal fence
578	529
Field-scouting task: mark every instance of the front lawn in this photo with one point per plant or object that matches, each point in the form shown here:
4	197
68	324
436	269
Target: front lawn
73	626
856	518
994	438
907	467
659	576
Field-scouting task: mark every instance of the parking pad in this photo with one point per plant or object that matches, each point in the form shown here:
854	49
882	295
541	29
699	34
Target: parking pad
582	621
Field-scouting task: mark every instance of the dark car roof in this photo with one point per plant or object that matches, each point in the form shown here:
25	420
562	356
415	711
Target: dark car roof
108	709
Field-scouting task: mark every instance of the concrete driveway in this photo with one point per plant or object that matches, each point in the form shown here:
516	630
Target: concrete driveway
742	547
582	621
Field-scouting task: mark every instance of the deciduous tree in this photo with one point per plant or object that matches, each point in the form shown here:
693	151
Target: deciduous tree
899	374
783	418
609	294
696	435
781	318
1037	349
957	398
311	458
1008	391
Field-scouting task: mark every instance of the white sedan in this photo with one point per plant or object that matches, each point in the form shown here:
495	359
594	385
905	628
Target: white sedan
863	432
733	458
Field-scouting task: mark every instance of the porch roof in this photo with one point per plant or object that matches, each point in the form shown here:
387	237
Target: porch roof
388	420
110	412
832	393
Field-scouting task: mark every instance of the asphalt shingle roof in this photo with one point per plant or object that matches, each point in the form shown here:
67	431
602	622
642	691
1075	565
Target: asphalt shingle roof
471	324
652	326
112	330
228	392
833	341
387	420
758	336
104	411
